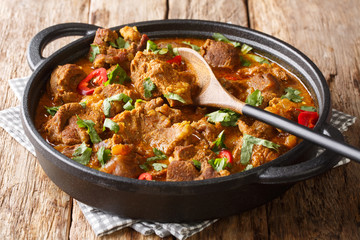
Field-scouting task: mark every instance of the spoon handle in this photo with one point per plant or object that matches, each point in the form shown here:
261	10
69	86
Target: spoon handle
303	132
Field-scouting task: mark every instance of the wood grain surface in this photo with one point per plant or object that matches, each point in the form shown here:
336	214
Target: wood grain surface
324	207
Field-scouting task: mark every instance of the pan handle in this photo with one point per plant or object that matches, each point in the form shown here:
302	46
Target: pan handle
307	169
44	37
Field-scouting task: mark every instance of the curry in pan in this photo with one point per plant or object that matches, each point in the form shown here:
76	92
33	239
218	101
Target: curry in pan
126	108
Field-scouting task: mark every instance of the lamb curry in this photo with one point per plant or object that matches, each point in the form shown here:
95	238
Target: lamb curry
126	108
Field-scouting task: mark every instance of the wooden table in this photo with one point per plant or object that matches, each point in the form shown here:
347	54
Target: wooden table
324	207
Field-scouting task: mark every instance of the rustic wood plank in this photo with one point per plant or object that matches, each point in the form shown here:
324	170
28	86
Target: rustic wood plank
32	207
111	13
325	207
223	11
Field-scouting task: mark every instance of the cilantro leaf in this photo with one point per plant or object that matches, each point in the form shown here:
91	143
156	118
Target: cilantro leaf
195	47
258	59
219	163
151	46
255	98
159	155
292	94
219	143
245	48
95	50
120	43
89	124
52	110
172	51
82	154
117	72
149	86
245	62
159	166
110	124
174	96
197	164
128	106
83	104
119	97
103	155
308	108
222	38
248	167
248	144
225	116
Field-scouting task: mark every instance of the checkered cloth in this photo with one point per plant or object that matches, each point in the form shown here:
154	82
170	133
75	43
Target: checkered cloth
104	223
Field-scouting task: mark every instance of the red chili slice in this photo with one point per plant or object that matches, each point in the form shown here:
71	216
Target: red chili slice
83	88
307	118
176	59
226	154
145	176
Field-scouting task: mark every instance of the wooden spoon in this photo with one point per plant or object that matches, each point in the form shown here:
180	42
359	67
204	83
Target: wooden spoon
214	95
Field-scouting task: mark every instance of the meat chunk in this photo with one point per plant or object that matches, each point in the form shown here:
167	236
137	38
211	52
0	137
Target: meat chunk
63	83
166	139
124	165
141	121
103	37
130	34
267	84
55	126
63	127
184	152
110	54
166	78
113	56
181	171
220	54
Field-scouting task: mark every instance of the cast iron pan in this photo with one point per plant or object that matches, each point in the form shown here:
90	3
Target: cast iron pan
177	201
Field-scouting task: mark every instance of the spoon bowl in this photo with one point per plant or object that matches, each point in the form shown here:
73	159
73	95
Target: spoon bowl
214	95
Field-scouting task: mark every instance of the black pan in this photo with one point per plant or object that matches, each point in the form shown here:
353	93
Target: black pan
177	201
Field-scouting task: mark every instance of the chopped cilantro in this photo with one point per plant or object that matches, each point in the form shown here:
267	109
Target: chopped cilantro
159	155
95	50
222	38
248	144
172	51
245	48
219	143
117	72
258	59
110	124
119	97
83	104
308	108
292	94
195	47
94	137
174	96
82	154
128	106
120	43
159	166
245	62
151	46
197	164
103	155
219	163
52	110
248	167
255	98
149	86
225	116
